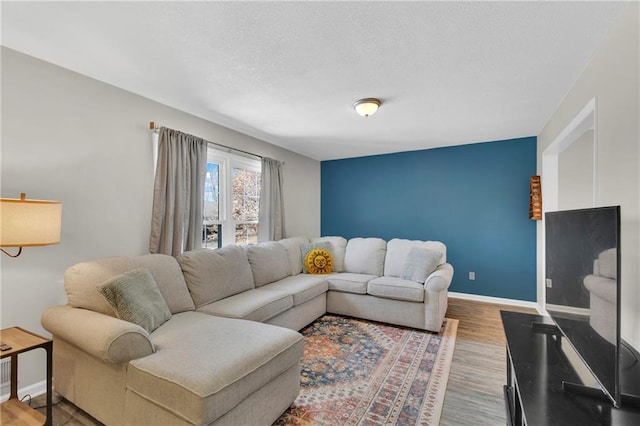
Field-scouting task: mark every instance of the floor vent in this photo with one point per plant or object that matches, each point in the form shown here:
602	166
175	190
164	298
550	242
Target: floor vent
5	371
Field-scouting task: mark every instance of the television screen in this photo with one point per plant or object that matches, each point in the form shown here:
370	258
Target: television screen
583	287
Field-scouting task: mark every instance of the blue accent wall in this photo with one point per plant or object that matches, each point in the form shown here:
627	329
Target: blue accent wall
474	198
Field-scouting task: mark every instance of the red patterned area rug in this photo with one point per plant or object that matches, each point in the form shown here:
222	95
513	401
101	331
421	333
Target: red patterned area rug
356	372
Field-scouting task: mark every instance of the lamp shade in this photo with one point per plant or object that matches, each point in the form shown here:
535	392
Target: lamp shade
27	223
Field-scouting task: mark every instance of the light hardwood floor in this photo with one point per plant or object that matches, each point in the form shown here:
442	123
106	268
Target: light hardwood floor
478	372
474	390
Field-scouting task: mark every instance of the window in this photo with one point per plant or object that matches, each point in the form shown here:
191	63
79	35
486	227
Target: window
231	200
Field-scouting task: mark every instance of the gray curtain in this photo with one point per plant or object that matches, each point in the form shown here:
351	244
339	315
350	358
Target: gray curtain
176	220
271	214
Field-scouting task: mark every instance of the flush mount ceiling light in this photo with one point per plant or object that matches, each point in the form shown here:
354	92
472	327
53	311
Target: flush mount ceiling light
366	107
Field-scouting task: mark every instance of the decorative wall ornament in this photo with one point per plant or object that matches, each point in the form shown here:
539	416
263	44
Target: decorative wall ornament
535	198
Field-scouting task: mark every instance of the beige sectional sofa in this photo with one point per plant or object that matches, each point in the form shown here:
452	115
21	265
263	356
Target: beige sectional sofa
227	350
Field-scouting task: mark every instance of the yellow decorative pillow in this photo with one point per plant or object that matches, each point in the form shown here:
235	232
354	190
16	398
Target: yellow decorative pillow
319	261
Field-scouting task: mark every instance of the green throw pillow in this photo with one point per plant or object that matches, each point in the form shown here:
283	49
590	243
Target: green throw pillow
420	263
135	297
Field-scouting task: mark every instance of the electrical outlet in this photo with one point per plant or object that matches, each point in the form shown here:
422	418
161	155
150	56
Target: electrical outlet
548	282
472	276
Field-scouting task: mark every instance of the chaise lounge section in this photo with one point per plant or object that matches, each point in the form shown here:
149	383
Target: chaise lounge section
227	349
195	368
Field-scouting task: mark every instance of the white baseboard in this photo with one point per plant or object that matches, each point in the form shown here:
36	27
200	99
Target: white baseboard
498	300
34	390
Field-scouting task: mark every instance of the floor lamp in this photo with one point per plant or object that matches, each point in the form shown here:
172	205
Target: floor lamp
28	223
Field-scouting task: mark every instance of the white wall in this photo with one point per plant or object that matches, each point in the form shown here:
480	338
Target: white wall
575	174
71	138
612	77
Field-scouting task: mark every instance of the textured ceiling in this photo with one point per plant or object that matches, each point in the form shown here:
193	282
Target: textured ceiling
288	73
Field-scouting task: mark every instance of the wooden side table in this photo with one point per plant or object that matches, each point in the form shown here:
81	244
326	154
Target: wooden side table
14	411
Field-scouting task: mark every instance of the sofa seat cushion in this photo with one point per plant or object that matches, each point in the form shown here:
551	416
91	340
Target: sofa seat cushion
206	365
348	282
255	305
302	287
396	288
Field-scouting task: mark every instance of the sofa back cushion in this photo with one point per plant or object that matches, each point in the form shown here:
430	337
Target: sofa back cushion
269	262
397	257
81	281
292	245
338	247
365	256
212	275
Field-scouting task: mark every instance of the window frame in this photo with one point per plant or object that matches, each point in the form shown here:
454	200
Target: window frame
226	162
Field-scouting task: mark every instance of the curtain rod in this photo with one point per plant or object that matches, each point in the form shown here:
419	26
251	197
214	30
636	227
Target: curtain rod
155	129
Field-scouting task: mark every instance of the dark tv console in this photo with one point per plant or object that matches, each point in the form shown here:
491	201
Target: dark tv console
536	371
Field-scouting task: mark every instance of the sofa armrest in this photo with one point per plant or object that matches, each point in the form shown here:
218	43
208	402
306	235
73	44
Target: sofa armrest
105	337
440	279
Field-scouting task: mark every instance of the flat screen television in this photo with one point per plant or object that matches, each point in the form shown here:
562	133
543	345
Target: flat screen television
583	288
